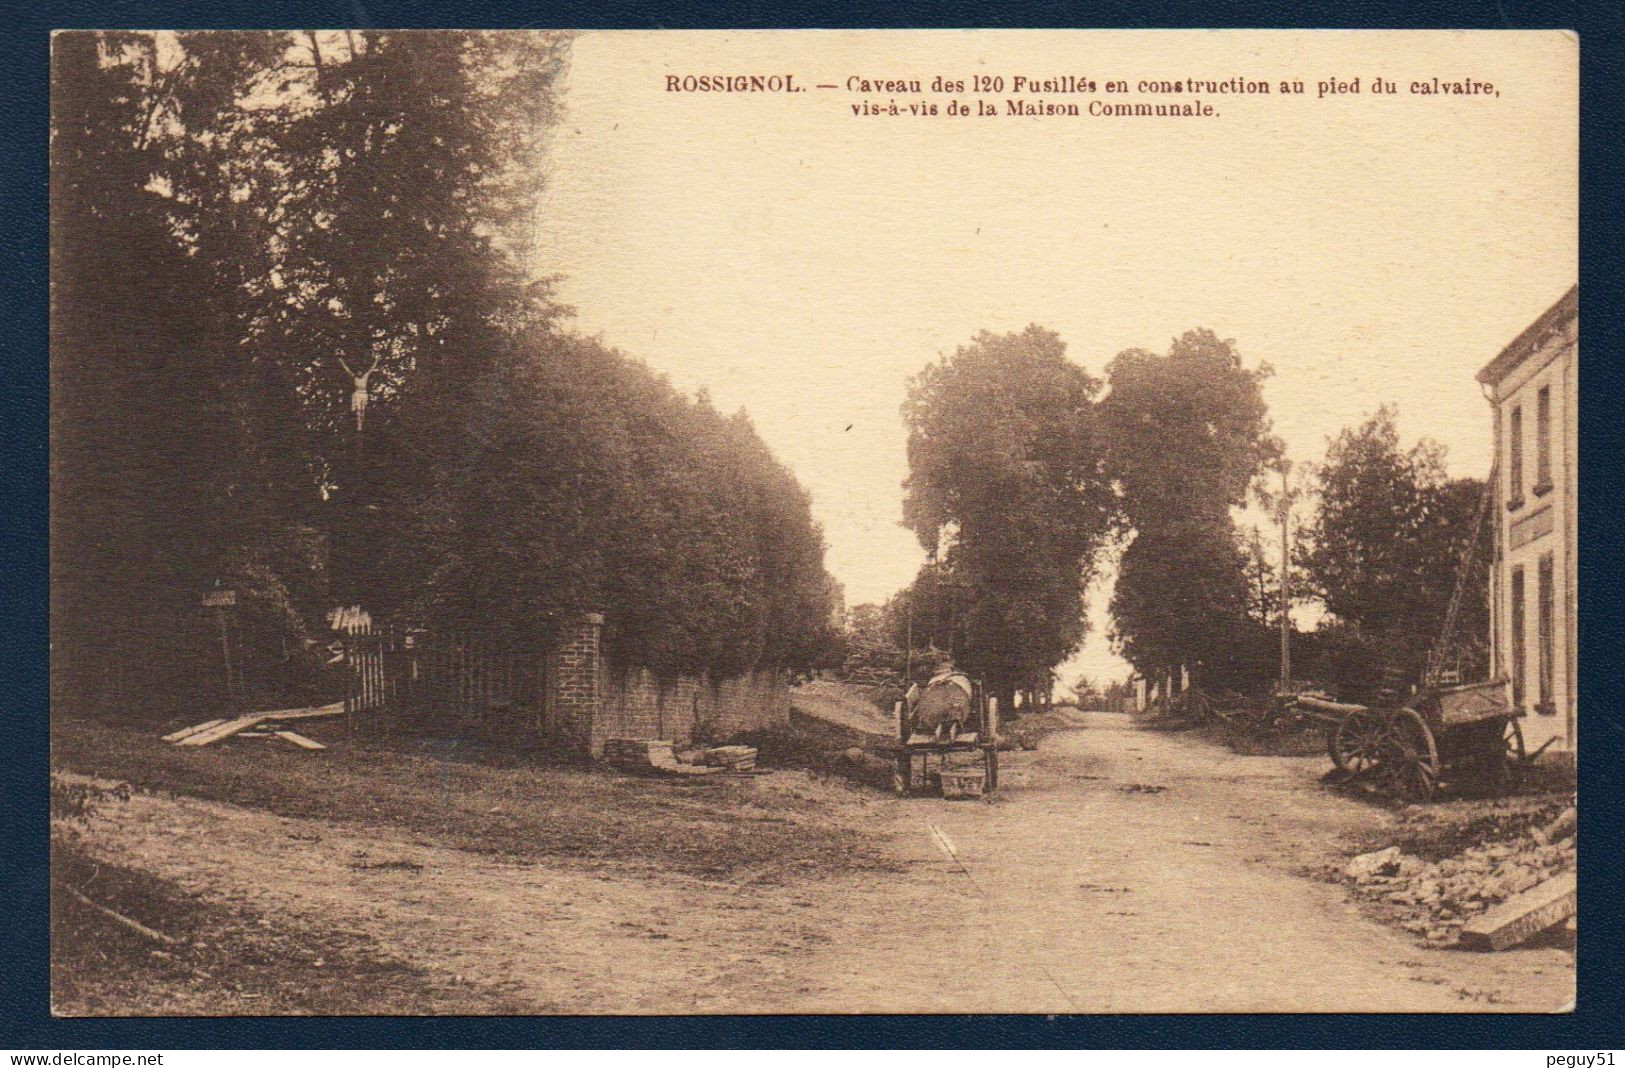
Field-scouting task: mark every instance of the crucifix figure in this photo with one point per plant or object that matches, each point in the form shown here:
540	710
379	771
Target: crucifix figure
358	398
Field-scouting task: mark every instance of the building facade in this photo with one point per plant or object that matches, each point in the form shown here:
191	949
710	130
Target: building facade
1532	387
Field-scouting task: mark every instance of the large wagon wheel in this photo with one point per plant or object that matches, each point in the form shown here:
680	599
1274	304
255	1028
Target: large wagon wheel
1408	764
1503	758
1355	744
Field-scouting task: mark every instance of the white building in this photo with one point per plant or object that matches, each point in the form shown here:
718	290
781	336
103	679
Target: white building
1532	386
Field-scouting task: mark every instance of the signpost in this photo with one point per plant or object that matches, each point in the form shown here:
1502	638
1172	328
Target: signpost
220	601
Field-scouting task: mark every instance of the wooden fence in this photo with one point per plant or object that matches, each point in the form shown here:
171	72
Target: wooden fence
459	683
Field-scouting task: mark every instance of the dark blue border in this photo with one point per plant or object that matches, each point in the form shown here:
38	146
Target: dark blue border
24	1020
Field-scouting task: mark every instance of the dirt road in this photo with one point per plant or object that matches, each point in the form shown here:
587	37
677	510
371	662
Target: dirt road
1118	871
1132	871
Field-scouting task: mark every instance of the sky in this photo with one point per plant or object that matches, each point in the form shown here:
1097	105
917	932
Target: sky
802	262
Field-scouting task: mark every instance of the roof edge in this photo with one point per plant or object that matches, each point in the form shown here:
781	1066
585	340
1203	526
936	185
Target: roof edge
1567	307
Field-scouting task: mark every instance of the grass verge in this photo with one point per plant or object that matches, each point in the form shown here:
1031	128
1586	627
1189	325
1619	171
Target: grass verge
219	961
491	803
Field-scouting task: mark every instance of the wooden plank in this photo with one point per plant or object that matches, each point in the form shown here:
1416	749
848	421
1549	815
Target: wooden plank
334	709
227	728
196	728
300	740
224	730
1523	916
1336	708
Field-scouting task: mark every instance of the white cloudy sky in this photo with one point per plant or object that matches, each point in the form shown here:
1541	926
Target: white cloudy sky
802	263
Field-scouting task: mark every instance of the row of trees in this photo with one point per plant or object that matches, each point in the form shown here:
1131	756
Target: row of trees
1023	477
297	352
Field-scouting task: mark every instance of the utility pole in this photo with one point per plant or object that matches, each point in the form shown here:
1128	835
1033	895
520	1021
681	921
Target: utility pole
908	640
1260	595
1286	579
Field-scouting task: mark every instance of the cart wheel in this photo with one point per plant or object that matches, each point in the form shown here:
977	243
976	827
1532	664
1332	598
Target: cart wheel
1355	744
1409	758
1504	762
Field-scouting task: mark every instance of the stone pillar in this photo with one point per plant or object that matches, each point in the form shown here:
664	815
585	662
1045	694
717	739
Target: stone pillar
574	684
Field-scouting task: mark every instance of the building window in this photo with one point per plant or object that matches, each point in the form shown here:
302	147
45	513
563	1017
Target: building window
1515	460
1543	441
1547	623
1517	638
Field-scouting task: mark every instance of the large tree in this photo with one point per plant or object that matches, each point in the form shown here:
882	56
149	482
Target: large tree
1008	492
1188	433
233	215
161	479
408	167
1383	548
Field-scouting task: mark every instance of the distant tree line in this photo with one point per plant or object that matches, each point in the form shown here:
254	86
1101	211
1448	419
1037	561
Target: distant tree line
249	230
1025	473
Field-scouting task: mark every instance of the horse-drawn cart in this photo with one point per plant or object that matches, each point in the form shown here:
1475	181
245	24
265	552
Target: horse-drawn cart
1454	732
1449	732
964	741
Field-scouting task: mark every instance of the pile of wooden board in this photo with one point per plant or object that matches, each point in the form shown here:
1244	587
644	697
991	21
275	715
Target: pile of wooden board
256	725
730	757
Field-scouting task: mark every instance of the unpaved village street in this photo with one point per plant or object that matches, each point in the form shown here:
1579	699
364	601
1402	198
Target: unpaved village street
1118	870
1174	876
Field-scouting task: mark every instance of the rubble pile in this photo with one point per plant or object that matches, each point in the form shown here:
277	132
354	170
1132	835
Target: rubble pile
1438	897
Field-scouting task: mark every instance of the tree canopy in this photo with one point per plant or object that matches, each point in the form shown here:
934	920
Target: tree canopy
595	486
1383	544
1187	433
1008	492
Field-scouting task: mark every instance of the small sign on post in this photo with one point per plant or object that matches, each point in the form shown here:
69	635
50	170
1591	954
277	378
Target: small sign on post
220	600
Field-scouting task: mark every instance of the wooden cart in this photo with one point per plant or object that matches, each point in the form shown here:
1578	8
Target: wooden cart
913	752
1454	732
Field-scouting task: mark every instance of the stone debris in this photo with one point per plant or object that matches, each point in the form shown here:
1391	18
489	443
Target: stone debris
1367	865
1441	896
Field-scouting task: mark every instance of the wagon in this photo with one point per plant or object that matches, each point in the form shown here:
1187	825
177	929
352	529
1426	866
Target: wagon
1454	732
976	744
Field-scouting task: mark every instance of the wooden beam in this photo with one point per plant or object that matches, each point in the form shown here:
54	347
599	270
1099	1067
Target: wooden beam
195	728
334	709
139	928
1338	708
227	728
224	730
300	740
1520	918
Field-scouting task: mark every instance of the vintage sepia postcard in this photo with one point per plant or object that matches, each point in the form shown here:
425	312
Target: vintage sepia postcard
699	522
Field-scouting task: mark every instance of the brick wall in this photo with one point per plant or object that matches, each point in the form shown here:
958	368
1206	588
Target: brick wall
636	704
591	700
